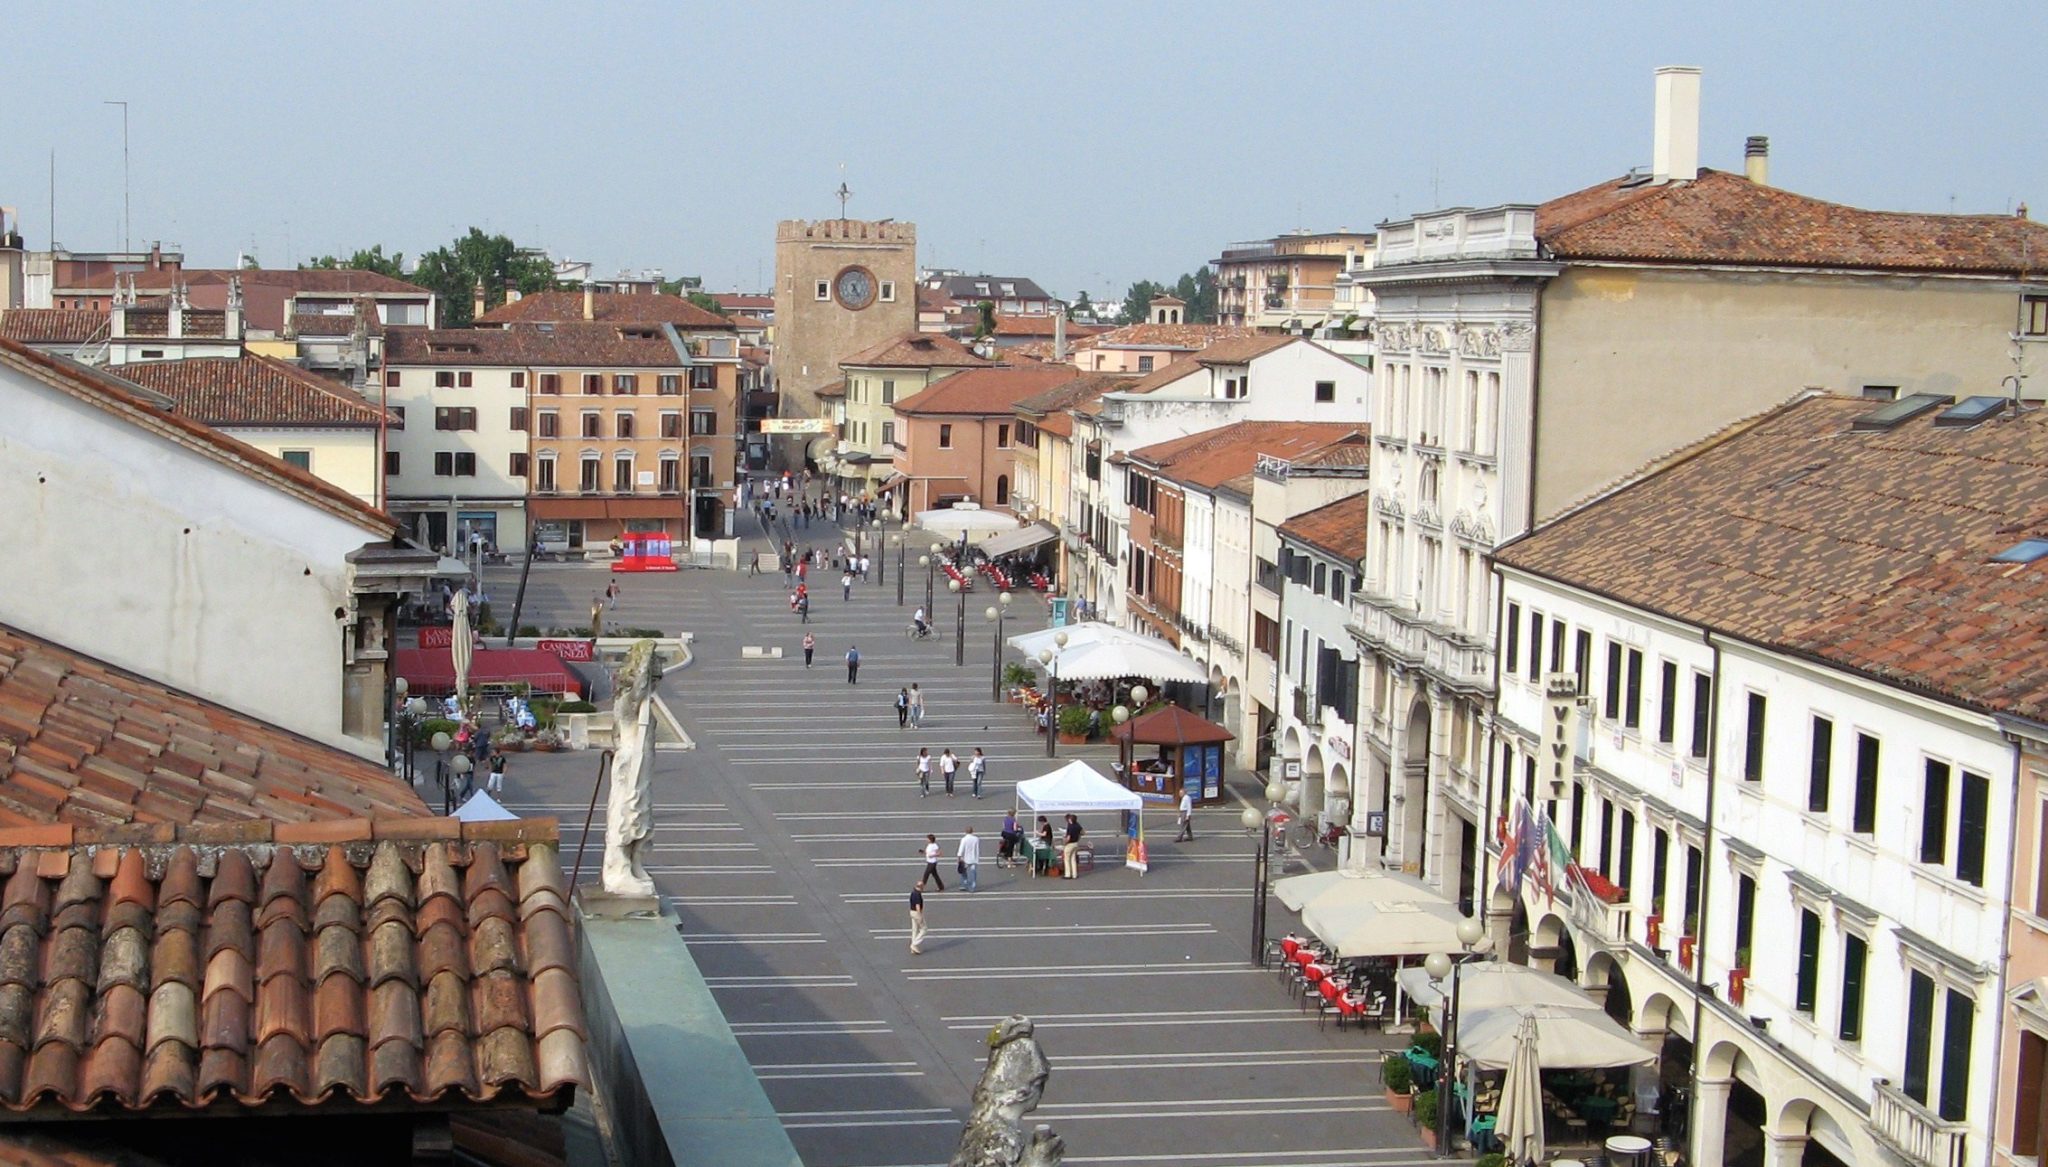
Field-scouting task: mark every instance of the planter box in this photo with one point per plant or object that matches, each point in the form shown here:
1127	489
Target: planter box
1402	1102
1428	1136
1073	739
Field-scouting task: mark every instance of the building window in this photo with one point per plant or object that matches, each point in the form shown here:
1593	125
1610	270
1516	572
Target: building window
1934	814
669	384
1955	1057
1326	391
1880	392
444	379
887	292
391	378
1144	364
1808	986
1002	490
551	383
1632	712
550	424
622	475
622	424
397	413
593	424
1613	680
2030	1125
1667	703
391	463
1513	629
888	392
1002	437
518	465
1863	816
1535	646
1557	631
544	475
671	424
703	376
465	379
822	290
454	418
2034	315
1582	660
303	459
1919	1035
1745	917
888	433
703	421
671	474
700	471
1819	768
1753	740
1973	823
1855	955
519	418
2041	861
626	384
593	384
455	464
518	379
945	436
1702	713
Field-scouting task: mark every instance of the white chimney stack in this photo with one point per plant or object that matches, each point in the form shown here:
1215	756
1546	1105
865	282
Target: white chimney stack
1675	152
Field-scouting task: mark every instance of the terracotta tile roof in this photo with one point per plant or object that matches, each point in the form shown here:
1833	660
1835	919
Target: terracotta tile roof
335	323
968	288
422	961
915	350
1042	325
571	345
1355	453
1164	375
1049	407
84	742
1238	350
835	389
1870	551
145	408
253	390
52	325
983	392
744	302
1181	336
1337	528
1213	457
606	308
933	300
1725	218
748	323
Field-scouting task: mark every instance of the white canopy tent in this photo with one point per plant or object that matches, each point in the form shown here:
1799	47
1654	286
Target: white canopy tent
951	523
1566	1038
1348	887
482	808
1491	984
1139	656
1408	928
1075	788
1034	642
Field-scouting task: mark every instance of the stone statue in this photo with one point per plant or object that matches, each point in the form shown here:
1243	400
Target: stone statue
629	812
1010	1087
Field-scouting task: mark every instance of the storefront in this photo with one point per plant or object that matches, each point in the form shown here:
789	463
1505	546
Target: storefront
452	525
576	524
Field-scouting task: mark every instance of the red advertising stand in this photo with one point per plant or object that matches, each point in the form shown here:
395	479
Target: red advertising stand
646	551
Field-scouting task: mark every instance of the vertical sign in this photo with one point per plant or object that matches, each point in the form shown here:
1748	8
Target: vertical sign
1560	728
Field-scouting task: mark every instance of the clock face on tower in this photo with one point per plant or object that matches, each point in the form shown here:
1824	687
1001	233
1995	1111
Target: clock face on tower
855	288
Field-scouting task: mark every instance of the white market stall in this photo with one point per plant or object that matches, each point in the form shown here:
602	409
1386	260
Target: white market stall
1077	788
963	523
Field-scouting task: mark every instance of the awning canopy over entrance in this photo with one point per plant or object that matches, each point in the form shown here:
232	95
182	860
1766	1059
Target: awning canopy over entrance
1021	539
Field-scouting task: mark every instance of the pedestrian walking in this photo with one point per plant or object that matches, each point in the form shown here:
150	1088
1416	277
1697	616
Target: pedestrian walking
917	918
1187	817
947	765
810	646
803	608
977	769
611	595
931	863
495	784
902	708
1070	849
924	771
846	586
863	567
916	706
969	860
852	666
1008	851
754	564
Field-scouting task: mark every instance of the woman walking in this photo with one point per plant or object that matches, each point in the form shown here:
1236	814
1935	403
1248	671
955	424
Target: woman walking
916	706
902	707
931	863
948	764
924	771
810	647
977	769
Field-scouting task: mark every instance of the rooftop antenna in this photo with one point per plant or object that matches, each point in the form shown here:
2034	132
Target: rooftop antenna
843	193
125	223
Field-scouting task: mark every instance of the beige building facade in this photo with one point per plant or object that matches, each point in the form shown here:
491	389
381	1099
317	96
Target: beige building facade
841	285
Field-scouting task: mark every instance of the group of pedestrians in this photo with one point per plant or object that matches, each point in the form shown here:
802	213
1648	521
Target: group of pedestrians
948	765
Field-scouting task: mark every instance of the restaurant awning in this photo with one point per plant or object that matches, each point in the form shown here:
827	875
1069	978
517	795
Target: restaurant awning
607	508
1021	539
1347	888
1566	1038
432	670
1388	929
1490	984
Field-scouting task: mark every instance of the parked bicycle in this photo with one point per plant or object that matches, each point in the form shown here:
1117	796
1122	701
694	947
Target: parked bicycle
1303	835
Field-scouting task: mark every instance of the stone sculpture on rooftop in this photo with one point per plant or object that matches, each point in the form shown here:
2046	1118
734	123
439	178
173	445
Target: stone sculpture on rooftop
1012	1084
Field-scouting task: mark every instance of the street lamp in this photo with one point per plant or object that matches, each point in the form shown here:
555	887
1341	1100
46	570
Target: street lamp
995	614
410	717
1256	821
898	540
1439	966
1049	657
959	623
441	743
881	545
931	564
458	771
1138	695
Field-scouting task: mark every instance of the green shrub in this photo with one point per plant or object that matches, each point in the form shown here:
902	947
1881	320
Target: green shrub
636	633
1017	675
434	725
576	707
529	630
1396	1074
1074	720
1425	1109
1491	1159
1430	1042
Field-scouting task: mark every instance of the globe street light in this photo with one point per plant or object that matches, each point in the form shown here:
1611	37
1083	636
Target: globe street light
458	771
901	549
1138	695
1438	966
1049	657
1261	822
995	614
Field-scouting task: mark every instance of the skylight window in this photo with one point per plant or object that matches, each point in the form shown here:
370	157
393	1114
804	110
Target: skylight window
2024	551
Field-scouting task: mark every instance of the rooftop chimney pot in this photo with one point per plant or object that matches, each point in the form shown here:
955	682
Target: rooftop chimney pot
1756	159
1675	148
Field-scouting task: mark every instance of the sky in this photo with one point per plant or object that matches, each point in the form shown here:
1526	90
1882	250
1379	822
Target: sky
1083	145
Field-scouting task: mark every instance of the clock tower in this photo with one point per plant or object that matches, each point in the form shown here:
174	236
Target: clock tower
841	285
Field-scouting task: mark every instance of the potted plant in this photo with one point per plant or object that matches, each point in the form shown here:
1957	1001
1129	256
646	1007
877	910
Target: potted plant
1688	942
1429	1041
1073	724
1491	1159
1398	1079
1016	679
1425	1117
1738	977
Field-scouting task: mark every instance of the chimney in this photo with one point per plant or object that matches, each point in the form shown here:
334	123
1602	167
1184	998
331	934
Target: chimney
589	302
1756	159
1675	148
1059	334
233	327
512	292
476	300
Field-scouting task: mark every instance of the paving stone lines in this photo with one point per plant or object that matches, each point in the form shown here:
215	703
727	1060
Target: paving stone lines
787	842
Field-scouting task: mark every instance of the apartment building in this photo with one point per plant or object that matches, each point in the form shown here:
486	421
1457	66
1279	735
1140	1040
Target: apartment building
458	454
863	458
1288	283
1793	653
958	439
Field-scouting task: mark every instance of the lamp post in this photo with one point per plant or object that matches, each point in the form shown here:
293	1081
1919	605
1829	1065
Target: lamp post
458	770
959	623
995	614
441	743
881	545
1439	966
1258	822
1050	658
414	712
394	737
931	565
897	539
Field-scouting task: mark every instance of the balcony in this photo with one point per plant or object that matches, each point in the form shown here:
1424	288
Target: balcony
1464	664
1913	1130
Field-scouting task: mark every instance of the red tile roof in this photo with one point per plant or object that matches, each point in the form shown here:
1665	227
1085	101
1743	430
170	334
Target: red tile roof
835	389
426	962
1180	336
744	302
82	741
52	325
144	409
1725	218
253	391
1213	457
984	392
1239	350
1042	325
606	308
1337	528
571	345
1868	550
198	322
915	350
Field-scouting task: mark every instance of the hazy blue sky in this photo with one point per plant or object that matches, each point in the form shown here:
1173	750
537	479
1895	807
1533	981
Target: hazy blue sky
1083	144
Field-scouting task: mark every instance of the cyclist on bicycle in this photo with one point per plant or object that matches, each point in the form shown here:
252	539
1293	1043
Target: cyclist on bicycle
920	624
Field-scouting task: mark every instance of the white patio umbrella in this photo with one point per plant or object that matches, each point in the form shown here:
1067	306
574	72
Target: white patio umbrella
1491	984
1389	929
1128	656
1031	643
1567	1038
460	650
1518	1123
1339	890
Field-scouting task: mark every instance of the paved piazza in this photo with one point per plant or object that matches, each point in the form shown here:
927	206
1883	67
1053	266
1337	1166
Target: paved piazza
788	840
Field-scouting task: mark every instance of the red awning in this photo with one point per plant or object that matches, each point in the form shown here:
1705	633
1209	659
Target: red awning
429	670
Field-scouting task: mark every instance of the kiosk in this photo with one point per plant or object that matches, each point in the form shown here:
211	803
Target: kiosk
646	551
1189	752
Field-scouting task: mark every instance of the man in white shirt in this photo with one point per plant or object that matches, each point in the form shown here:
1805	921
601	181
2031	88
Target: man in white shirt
1187	817
970	860
948	766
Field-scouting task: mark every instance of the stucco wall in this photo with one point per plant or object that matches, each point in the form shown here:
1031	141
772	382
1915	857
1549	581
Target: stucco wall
2029	937
1636	363
812	336
346	458
201	577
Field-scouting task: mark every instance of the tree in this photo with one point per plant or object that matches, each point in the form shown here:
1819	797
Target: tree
682	285
1196	289
705	301
453	272
1138	302
984	319
1081	308
374	259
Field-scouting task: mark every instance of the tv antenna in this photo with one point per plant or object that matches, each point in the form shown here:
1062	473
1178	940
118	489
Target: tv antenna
844	192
